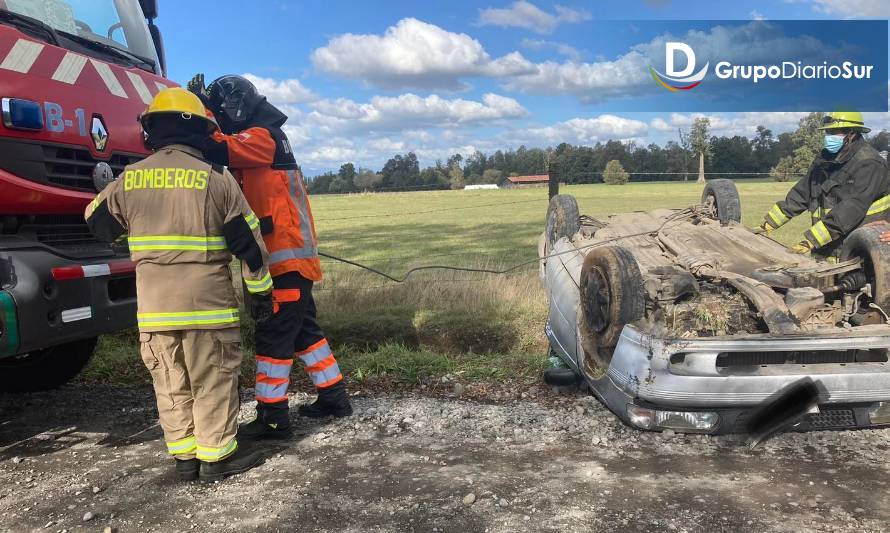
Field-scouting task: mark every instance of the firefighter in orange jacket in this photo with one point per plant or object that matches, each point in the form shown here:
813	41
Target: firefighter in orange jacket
255	148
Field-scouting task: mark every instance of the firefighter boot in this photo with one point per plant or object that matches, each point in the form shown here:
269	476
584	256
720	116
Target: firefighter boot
271	422
242	460
187	469
332	401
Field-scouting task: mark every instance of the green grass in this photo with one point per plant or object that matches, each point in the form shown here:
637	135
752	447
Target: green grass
478	326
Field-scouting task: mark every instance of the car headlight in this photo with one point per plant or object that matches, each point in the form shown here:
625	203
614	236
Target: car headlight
685	421
880	413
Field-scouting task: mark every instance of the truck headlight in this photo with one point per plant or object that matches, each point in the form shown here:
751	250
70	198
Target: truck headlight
684	421
880	413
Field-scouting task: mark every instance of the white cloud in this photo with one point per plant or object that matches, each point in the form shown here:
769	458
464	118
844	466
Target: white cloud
854	8
409	111
560	48
289	91
588	81
627	75
523	14
756	15
730	124
413	54
587	130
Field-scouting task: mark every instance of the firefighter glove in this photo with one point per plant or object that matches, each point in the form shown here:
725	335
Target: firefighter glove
803	247
262	307
764	229
196	85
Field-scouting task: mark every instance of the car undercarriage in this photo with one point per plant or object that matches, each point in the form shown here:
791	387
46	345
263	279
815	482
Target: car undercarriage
687	312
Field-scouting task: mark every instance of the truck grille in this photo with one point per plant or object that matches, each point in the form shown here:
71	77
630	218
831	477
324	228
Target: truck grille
65	233
731	359
73	167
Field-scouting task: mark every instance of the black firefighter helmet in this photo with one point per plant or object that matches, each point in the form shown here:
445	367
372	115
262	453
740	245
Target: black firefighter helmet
233	99
238	105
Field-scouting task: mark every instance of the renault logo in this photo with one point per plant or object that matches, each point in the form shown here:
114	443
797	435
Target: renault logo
99	133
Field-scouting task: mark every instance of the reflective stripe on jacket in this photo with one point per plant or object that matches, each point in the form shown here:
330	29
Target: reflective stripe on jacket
185	219
280	201
841	194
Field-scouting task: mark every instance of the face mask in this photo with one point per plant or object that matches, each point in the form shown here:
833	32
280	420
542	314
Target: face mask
833	143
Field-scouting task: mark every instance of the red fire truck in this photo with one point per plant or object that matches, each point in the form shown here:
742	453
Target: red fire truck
74	75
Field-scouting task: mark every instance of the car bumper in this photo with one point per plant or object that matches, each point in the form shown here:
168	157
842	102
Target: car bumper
683	376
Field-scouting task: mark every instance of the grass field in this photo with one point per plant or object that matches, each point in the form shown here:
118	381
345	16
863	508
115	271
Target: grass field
478	326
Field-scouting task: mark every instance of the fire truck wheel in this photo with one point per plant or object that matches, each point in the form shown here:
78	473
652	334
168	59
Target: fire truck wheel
45	369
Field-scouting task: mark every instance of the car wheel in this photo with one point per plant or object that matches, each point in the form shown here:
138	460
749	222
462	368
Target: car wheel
611	297
865	243
723	197
45	369
563	219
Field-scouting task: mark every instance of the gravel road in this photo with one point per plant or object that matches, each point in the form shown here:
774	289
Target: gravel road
90	458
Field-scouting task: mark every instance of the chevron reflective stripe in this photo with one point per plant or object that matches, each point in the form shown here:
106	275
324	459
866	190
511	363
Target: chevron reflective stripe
879	206
320	364
182	446
22	56
261	285
211	454
776	214
139	85
188	318
252	221
111	82
820	233
69	68
176	242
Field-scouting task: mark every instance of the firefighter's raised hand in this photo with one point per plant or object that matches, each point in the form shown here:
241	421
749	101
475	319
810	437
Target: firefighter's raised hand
196	85
262	307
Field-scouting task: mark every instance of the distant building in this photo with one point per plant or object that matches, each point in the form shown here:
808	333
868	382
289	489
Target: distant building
480	187
521	182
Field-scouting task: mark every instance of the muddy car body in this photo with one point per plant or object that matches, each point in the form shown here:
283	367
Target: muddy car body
684	319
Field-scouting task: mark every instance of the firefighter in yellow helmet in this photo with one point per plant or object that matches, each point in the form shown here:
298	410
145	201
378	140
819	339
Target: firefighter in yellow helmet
184	219
847	186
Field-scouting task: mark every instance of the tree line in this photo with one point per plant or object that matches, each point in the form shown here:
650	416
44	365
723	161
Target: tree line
784	157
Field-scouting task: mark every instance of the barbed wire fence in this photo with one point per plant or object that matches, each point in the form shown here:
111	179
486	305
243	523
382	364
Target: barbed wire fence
469	266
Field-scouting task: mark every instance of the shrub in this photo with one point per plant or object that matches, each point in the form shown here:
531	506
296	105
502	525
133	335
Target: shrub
615	174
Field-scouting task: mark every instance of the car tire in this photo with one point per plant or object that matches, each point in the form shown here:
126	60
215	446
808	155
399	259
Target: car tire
725	197
865	243
563	219
611	297
45	369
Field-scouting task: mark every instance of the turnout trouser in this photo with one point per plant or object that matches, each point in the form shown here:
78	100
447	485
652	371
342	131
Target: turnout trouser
195	374
293	331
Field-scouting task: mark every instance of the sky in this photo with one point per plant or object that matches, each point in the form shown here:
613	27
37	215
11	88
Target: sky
362	81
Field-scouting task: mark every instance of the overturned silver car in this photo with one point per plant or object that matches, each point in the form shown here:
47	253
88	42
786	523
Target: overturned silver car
683	319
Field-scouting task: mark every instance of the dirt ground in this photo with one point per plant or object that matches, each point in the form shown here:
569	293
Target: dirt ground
90	458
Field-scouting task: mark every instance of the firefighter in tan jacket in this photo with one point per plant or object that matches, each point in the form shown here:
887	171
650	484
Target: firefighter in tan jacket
184	218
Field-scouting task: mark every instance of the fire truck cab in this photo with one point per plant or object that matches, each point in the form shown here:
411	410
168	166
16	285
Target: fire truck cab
74	76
